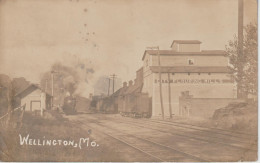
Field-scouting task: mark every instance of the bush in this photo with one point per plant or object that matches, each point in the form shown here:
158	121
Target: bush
237	116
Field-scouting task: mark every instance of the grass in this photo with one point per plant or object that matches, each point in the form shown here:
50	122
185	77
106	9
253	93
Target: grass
52	126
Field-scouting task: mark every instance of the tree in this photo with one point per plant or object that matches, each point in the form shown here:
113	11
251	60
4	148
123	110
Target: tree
65	81
4	94
248	61
8	89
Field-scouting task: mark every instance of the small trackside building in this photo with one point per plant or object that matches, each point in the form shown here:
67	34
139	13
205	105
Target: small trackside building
203	73
34	98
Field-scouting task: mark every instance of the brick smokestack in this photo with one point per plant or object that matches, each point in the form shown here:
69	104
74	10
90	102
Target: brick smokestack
130	83
135	82
124	84
90	96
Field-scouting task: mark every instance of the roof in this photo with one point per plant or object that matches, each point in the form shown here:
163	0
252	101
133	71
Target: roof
186	42
117	93
187	69
174	53
136	88
30	86
140	69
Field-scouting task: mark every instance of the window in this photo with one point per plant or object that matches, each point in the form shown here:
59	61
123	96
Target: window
190	61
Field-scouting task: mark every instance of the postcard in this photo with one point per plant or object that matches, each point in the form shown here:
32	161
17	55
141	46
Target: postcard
128	80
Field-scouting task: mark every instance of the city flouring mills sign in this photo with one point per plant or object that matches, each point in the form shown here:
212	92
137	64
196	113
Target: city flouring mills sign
196	81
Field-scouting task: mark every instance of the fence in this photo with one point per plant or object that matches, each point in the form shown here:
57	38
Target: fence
13	118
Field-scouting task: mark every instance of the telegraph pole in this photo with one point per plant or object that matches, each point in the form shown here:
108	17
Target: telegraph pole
113	76
52	82
46	85
108	86
169	90
240	55
52	87
160	77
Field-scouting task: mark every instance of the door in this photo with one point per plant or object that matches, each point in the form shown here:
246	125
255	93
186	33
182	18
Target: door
35	105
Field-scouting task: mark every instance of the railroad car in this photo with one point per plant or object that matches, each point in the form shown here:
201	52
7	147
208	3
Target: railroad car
137	105
107	105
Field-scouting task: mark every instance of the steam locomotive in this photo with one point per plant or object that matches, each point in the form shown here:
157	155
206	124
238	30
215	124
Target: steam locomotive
69	105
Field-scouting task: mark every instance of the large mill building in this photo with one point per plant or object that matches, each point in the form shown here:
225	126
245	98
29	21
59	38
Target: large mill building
205	74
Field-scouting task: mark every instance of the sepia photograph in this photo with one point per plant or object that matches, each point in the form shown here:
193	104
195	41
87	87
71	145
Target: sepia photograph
128	80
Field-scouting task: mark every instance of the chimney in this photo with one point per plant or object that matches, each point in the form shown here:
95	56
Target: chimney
124	84
130	83
135	82
90	96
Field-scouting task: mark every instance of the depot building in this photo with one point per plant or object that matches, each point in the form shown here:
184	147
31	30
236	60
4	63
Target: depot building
205	74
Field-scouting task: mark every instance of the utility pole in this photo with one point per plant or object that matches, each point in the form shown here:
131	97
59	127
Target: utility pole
52	82
108	86
169	90
113	76
46	85
160	77
240	56
52	87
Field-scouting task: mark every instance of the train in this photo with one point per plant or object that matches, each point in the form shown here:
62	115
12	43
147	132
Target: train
127	101
69	105
136	105
105	104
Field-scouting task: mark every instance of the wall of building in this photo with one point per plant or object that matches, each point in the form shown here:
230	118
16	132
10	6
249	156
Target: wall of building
203	107
183	60
147	76
186	47
224	88
147	62
139	76
36	95
33	96
189	47
175	47
134	103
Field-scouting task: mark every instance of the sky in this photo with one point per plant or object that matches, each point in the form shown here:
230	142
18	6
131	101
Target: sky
109	36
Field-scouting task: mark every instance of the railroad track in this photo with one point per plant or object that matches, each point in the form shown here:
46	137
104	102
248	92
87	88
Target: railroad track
231	134
140	130
203	128
221	134
197	137
224	132
155	150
